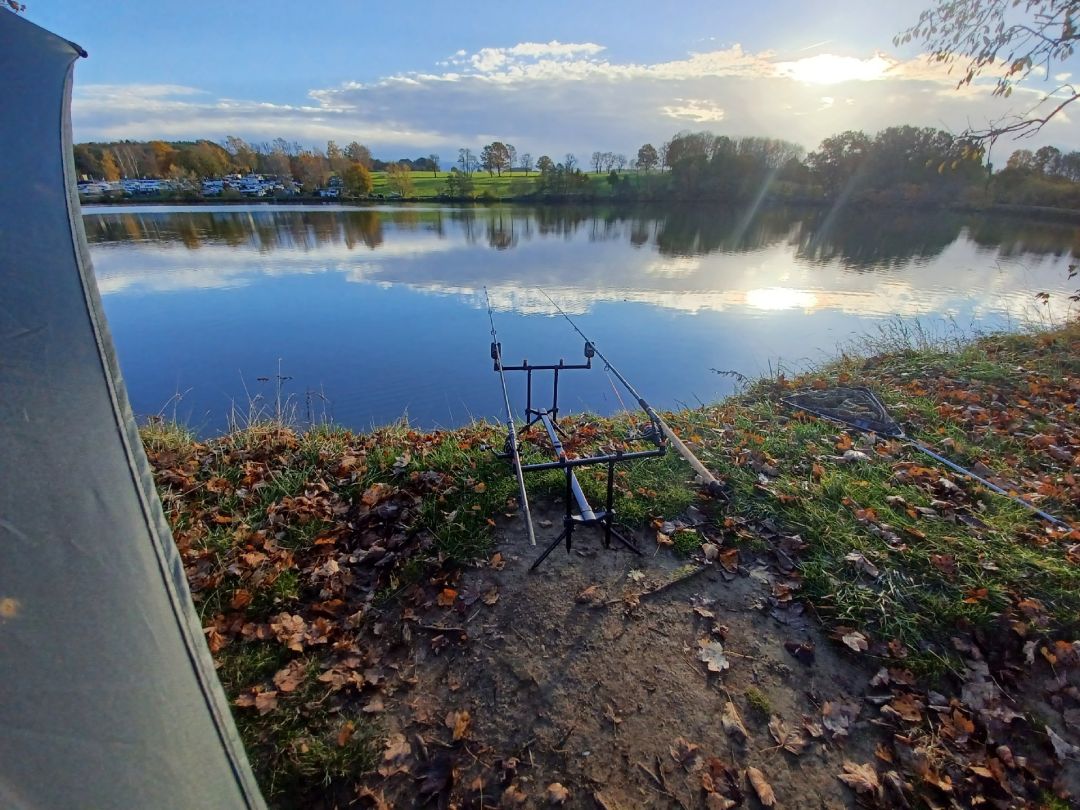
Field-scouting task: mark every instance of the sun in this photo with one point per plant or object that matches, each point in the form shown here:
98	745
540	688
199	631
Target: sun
827	68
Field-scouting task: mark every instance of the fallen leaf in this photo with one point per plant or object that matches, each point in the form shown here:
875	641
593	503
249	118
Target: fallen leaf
687	754
789	740
266	702
663	539
838	717
858	559
374	706
636	575
1062	749
589	595
729	558
513	796
855	640
491	596
714	801
712	654
860	778
557	794
762	788
498	562
732	722
395	755
375	493
446	597
459	722
710	550
287	679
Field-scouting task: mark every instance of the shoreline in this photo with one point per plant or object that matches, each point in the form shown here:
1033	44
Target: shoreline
302	547
995	209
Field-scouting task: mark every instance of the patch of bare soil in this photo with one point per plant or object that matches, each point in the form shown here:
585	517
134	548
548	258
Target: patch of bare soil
587	683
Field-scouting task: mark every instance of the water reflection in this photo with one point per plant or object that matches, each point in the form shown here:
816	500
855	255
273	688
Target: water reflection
206	296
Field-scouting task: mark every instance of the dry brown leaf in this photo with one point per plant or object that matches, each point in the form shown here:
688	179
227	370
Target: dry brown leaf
687	754
395	755
788	740
345	733
855	640
446	597
732	723
729	558
761	787
287	679
459	722
557	794
266	702
513	796
860	778
375	493
714	801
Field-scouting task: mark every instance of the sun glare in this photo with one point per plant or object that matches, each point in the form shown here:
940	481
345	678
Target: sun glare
827	68
775	298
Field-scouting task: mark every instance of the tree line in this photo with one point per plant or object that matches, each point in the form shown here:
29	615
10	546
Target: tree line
901	164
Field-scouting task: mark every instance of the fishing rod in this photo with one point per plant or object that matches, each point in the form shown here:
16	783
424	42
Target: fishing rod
886	426
511	432
711	484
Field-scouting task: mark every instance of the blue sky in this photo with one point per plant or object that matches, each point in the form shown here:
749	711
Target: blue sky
550	77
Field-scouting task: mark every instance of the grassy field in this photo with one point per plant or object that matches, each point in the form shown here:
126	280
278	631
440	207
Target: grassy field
294	541
510	184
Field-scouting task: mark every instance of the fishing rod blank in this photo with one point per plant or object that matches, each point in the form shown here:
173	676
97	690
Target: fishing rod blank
707	477
842	404
511	432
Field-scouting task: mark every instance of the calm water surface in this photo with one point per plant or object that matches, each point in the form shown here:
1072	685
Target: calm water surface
373	314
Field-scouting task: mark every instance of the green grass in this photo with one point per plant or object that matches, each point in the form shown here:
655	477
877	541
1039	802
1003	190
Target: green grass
509	185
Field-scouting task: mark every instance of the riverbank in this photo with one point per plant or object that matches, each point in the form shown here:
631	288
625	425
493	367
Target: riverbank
1004	210
886	629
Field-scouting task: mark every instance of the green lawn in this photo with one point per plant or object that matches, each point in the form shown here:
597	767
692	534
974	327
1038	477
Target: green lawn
510	184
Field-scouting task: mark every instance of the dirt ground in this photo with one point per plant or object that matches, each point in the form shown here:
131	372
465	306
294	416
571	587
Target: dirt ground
571	677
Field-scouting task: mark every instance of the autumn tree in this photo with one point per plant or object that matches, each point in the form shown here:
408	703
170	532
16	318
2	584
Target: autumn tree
1008	40
647	158
570	161
399	178
357	179
358	153
511	156
433	159
243	156
597	160
164	156
109	170
544	164
336	158
526	163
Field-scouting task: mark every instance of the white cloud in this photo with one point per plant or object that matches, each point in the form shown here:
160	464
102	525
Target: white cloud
697	110
557	97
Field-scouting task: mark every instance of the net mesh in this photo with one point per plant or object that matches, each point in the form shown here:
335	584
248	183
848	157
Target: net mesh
858	407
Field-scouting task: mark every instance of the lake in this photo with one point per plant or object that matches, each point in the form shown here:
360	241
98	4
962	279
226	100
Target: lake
367	315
